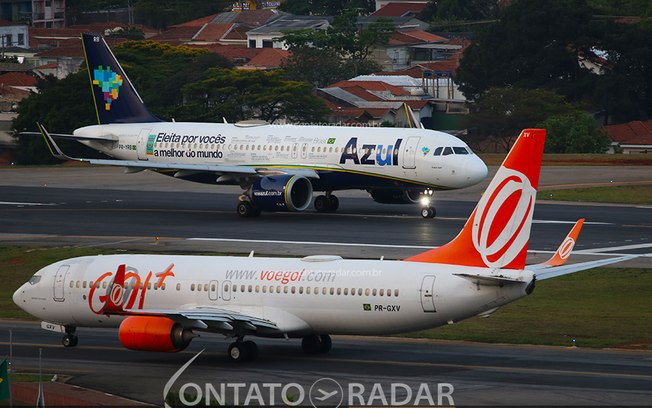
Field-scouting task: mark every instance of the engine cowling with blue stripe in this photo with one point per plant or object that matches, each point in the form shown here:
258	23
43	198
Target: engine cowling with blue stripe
281	193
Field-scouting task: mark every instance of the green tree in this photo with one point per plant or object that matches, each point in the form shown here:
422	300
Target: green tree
241	94
164	13
501	113
574	132
61	105
344	47
327	7
532	46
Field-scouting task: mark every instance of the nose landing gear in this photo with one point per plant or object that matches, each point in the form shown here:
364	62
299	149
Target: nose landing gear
427	210
70	339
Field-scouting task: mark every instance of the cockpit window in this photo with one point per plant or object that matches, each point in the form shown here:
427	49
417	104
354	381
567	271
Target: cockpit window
35	279
460	150
447	151
438	151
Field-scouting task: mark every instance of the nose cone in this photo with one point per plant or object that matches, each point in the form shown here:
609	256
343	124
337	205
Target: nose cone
475	170
18	297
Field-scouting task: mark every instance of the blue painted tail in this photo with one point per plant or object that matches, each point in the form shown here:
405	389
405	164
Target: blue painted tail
116	99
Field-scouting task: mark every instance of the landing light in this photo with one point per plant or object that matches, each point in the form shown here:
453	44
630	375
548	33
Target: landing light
425	201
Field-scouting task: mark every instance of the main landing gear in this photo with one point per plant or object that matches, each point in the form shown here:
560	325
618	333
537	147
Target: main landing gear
427	210
69	339
241	351
245	209
327	203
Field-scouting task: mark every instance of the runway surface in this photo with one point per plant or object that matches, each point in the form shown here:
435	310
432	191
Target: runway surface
200	221
479	374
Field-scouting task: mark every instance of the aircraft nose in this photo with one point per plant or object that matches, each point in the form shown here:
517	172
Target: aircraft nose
476	170
18	297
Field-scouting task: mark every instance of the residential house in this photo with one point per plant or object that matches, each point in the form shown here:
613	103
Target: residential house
374	99
267	35
37	13
630	138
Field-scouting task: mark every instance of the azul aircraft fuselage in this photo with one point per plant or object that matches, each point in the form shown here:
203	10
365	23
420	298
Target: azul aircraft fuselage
343	157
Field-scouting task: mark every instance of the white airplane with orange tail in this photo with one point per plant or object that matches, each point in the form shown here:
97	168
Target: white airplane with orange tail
160	302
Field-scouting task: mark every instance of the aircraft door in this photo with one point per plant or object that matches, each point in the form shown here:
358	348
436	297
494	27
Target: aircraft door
59	283
295	150
144	144
226	290
409	152
213	288
428	294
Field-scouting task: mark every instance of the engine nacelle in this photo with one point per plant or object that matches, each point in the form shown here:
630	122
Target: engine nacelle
396	196
281	193
148	333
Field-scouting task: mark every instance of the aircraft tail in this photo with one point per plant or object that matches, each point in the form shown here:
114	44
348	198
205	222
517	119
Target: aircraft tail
116	99
497	233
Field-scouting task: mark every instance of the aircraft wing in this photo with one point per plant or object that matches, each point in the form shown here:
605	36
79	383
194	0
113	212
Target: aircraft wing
210	319
135	166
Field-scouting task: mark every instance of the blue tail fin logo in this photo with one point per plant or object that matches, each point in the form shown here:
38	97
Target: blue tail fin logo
109	82
116	99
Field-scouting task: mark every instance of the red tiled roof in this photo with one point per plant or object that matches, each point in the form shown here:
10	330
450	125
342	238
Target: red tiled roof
230	52
371	86
363	93
213	32
636	132
399	9
414	37
254	18
177	35
268	58
17	79
72	51
238	32
198	22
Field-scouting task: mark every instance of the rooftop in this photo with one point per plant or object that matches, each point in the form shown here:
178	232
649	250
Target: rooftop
632	133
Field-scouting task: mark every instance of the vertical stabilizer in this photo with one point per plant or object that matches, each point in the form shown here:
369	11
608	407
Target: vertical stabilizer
498	231
116	99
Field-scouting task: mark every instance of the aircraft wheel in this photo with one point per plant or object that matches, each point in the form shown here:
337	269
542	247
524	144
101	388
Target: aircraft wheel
252	350
333	203
69	340
428	212
326	343
245	209
311	344
321	203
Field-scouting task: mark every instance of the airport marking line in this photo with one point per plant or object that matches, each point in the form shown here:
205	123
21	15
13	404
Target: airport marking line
26	204
405	363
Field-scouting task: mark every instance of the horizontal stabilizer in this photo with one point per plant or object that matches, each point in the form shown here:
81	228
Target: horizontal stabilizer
553	272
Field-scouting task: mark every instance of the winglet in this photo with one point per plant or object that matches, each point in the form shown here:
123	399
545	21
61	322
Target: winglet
563	252
115	293
52	145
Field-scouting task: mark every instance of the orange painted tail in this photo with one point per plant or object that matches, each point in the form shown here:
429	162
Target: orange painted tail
498	231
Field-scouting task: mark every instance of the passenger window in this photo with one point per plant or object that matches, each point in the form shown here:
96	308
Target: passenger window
438	151
104	285
359	291
448	151
257	289
285	289
339	291
77	284
396	292
294	290
366	292
332	291
346	291
301	290
389	292
178	287
278	289
352	291
192	287
382	292
205	287
84	284
264	289
460	150
72	284
316	291
323	290
374	292
307	290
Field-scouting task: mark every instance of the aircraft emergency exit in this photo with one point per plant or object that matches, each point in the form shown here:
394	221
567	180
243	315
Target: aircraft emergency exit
160	302
278	167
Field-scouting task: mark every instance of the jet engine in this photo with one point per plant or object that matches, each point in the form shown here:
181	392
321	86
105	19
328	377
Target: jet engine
147	333
281	193
385	196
